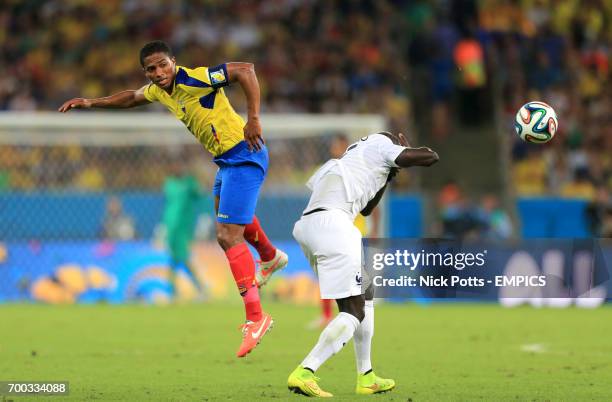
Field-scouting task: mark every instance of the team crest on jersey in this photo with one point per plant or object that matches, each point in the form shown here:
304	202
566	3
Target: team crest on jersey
217	77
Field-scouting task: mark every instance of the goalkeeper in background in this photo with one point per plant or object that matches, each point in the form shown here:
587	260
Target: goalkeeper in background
182	193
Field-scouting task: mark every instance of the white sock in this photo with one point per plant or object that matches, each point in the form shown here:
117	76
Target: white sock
363	339
335	335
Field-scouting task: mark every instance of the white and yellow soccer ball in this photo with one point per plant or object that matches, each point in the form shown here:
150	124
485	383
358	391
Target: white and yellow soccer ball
536	122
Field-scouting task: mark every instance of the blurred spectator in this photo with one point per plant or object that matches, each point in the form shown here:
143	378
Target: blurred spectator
599	214
496	223
529	174
469	59
460	219
117	224
449	194
580	187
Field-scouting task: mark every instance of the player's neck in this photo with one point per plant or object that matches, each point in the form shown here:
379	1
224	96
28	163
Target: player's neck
170	88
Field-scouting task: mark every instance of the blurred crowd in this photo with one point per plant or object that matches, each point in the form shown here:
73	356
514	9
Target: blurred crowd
463	217
311	56
133	167
470	56
563	58
74	167
431	63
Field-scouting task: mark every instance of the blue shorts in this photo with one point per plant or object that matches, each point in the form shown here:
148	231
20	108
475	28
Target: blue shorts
240	176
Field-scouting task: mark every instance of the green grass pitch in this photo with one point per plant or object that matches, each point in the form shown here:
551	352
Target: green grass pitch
441	352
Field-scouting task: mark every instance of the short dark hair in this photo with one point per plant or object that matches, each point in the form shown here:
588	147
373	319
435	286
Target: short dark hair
157	46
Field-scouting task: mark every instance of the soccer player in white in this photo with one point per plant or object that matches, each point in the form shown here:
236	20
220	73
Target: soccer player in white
341	189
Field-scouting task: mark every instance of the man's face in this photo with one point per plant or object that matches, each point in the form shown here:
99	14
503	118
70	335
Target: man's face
160	69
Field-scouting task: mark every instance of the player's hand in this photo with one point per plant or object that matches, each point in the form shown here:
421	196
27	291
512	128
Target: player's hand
75	103
252	134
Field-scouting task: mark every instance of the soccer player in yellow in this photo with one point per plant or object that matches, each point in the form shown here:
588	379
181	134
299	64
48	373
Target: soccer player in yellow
196	97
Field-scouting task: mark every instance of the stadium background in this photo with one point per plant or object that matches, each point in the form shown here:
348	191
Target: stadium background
81	199
78	215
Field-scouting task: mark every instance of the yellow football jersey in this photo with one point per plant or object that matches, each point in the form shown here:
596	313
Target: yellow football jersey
198	100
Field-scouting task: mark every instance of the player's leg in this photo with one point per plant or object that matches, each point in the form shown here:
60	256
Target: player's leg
336	334
237	193
367	381
230	238
272	259
240	260
333	248
255	235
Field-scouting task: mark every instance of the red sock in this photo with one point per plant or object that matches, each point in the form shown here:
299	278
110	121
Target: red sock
243	269
326	304
254	234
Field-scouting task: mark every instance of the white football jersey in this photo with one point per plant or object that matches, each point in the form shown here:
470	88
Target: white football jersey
363	170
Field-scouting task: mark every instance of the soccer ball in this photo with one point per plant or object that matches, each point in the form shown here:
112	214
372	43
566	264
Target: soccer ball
536	122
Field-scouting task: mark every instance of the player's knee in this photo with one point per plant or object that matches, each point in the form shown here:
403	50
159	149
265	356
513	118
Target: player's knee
228	238
222	239
354	306
358	313
225	240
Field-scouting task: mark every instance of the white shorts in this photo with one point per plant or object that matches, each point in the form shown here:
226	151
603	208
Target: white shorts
332	245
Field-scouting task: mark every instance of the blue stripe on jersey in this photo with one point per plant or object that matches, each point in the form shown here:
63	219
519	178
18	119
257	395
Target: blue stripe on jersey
208	101
183	78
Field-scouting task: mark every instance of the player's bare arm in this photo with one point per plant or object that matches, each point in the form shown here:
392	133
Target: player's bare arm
121	100
244	74
371	205
422	156
370	208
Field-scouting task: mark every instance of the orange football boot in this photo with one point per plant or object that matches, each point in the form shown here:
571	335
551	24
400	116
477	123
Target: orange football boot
252	332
